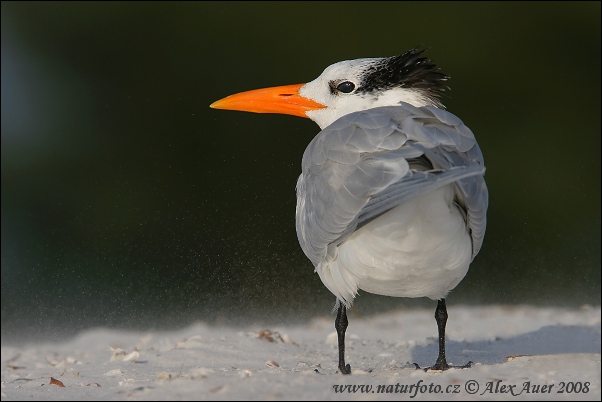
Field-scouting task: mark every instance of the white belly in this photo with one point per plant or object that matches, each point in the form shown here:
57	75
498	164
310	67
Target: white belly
420	248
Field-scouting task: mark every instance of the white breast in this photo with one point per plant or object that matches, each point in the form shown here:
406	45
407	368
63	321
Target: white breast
419	248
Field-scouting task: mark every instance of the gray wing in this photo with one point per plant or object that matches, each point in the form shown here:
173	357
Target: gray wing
368	162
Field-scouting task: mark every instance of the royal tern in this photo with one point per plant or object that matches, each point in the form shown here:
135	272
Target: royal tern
392	198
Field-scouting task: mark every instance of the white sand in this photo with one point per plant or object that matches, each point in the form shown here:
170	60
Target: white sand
208	362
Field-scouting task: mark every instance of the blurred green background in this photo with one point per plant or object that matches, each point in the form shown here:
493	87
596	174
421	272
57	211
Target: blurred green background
128	202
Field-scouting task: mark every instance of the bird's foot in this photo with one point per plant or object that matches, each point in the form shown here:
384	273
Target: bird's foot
441	365
345	370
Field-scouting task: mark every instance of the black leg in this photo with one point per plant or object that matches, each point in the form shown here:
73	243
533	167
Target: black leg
340	325
441	317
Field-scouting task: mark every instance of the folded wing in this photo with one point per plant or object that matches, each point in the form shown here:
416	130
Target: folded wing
368	162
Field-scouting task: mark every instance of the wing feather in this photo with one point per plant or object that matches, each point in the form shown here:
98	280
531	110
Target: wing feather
364	164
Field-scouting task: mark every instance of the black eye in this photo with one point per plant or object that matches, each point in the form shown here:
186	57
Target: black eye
346	87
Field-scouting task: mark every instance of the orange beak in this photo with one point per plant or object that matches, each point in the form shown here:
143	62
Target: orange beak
283	100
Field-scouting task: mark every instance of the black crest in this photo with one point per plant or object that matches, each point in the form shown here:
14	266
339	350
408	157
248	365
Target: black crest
408	70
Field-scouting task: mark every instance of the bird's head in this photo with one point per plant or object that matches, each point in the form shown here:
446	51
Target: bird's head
349	86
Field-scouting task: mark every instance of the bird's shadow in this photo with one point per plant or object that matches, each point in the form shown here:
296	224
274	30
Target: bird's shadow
554	339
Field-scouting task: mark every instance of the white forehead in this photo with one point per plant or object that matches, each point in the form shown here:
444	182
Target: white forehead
347	69
350	70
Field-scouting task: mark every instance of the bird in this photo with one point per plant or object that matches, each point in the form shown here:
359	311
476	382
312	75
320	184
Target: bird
391	198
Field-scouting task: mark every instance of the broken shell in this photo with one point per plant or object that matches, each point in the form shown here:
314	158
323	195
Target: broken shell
54	381
201	372
164	376
332	339
131	356
512	357
118	353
